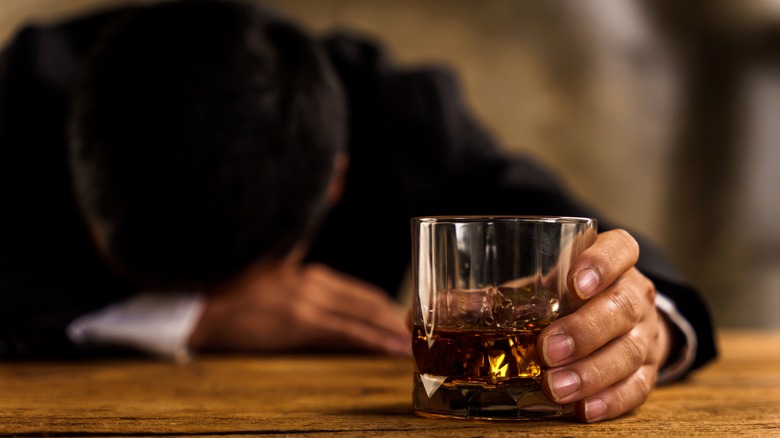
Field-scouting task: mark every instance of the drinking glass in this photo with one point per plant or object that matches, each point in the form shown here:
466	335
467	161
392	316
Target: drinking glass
484	287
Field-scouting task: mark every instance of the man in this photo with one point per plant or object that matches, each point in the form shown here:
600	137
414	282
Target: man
202	175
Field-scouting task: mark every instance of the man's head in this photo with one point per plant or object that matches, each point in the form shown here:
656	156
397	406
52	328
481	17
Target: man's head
203	138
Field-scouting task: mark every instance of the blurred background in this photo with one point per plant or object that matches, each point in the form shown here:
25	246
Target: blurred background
664	115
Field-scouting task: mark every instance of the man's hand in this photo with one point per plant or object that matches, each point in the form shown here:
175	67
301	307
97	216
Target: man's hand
605	356
293	308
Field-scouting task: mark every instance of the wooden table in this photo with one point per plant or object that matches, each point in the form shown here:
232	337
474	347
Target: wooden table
353	396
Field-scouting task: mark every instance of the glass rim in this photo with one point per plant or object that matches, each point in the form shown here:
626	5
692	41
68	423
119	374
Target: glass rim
455	219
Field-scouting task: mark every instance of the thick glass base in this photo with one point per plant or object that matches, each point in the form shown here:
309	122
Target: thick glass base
510	399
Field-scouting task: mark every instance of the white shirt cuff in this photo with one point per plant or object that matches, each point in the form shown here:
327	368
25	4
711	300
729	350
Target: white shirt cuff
685	357
159	323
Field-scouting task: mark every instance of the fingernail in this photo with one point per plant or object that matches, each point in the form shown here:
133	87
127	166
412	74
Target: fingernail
563	383
557	348
595	408
586	282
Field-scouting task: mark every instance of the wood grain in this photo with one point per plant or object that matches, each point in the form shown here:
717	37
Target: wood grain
353	396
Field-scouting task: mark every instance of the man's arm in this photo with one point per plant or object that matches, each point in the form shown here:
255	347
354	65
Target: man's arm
450	165
416	122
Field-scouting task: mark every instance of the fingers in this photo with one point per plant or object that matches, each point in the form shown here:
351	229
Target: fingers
295	308
613	253
611	381
605	317
614	362
354	299
603	356
619	398
331	330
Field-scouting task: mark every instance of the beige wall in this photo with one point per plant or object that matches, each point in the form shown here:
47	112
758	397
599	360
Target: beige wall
589	90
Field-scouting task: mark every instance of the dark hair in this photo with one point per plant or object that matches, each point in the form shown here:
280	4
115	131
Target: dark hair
203	135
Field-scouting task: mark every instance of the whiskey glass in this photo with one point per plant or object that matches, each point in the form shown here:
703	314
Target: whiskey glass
484	287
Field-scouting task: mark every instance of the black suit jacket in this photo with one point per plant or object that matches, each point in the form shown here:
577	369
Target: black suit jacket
415	150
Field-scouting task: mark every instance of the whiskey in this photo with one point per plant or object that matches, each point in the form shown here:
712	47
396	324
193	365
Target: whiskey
485	358
478	373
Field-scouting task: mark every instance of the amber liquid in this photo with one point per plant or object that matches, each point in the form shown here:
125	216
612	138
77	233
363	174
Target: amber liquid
482	374
476	356
485	358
